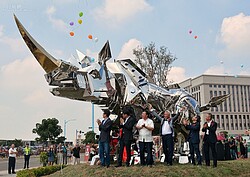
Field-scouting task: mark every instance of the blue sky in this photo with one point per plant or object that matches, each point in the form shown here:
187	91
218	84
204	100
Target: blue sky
222	27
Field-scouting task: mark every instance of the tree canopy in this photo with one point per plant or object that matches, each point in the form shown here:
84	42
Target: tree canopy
48	130
155	63
90	137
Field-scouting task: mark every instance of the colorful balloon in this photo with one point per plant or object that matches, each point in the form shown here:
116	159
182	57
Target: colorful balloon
190	31
80	21
71	33
195	37
221	62
90	36
80	14
241	65
96	39
92	60
71	23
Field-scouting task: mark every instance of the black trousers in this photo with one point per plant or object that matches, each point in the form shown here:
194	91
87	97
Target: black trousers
148	147
168	148
12	164
65	158
26	161
194	147
207	146
123	144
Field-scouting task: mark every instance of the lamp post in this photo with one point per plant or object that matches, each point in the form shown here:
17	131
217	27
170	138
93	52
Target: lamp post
93	116
65	123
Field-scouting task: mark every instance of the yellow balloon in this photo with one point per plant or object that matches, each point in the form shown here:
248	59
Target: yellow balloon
80	21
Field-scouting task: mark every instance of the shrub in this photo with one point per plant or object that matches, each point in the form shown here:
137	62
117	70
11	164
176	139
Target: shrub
40	171
43	158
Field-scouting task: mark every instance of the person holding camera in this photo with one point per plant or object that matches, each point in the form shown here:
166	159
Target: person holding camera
145	127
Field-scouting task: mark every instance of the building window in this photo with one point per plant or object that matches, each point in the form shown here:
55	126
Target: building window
210	85
234	106
215	86
238	97
219	86
224	86
229	99
211	94
232	126
218	119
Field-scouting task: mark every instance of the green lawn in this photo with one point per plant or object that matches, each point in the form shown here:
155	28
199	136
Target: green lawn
234	168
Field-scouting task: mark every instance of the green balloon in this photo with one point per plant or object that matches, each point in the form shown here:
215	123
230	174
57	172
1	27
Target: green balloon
80	14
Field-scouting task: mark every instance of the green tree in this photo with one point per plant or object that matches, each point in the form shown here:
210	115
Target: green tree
90	137
16	142
60	139
155	63
48	130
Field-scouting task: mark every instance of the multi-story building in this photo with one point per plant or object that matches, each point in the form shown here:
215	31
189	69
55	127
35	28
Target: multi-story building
233	115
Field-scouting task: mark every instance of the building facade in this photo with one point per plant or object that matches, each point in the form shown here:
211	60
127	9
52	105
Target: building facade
233	115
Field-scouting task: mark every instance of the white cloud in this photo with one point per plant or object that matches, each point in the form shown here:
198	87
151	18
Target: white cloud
177	74
127	49
114	11
50	10
1	30
15	44
215	70
235	35
56	22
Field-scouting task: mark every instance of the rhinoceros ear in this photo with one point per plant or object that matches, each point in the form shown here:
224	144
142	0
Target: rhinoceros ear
105	54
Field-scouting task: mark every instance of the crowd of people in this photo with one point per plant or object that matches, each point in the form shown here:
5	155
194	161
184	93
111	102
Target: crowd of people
63	154
145	126
55	154
233	148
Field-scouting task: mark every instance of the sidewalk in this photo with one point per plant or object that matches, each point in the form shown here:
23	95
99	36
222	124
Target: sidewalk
5	172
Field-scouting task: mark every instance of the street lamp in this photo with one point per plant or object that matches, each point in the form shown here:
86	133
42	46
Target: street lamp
65	123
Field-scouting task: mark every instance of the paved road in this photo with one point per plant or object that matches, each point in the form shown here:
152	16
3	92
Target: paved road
34	162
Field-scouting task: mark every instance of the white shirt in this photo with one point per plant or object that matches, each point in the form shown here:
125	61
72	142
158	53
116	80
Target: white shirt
145	135
166	129
12	150
208	124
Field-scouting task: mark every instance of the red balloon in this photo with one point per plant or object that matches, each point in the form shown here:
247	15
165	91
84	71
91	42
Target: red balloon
71	33
90	36
195	37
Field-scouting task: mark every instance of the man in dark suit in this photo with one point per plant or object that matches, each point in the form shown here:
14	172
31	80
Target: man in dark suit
127	123
210	139
194	138
104	139
167	133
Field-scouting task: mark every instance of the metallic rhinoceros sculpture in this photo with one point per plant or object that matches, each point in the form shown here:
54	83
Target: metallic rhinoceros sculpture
113	84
